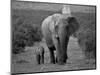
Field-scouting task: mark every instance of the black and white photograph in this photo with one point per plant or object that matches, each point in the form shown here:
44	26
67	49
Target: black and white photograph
52	37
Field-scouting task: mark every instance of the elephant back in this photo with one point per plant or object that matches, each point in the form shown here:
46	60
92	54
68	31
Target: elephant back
47	34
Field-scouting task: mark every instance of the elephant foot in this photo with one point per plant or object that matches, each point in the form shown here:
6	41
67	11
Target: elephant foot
60	62
52	62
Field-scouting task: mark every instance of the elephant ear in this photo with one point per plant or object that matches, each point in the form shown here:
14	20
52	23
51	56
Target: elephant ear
73	25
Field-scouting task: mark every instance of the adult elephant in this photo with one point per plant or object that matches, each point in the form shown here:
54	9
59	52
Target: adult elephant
56	30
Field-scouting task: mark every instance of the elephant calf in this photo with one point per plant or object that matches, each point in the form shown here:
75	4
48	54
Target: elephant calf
40	55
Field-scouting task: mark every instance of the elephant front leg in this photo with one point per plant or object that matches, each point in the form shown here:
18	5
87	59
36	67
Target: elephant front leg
62	50
61	56
52	57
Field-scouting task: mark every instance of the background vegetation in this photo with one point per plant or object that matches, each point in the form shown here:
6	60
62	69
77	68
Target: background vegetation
86	35
26	28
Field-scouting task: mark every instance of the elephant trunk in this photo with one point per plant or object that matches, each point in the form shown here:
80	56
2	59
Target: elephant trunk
62	50
63	45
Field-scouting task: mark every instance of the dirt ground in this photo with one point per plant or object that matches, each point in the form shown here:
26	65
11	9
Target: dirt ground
26	62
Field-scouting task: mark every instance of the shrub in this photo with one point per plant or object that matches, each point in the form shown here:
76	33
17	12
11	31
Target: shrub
87	41
23	34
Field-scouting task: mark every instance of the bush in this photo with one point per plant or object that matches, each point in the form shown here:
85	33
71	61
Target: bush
87	33
87	41
23	34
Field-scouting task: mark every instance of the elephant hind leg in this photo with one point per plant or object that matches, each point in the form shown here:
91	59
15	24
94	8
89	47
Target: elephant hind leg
52	57
56	60
38	58
42	58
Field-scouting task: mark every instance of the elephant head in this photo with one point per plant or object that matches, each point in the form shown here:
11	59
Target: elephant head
56	30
